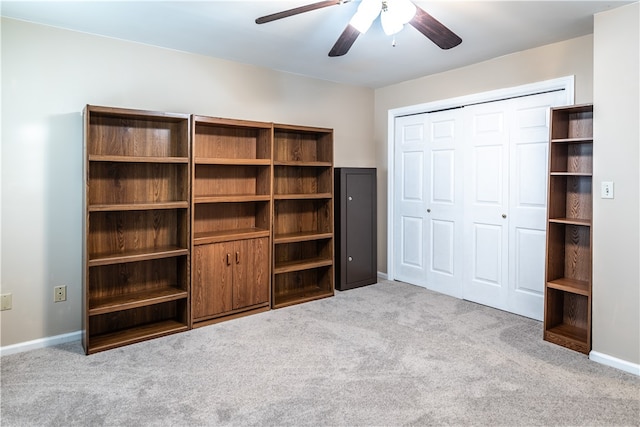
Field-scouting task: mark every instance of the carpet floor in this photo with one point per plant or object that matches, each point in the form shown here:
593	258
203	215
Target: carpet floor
382	355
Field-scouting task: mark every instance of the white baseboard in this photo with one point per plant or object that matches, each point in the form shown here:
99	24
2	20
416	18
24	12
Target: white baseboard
382	275
40	343
614	362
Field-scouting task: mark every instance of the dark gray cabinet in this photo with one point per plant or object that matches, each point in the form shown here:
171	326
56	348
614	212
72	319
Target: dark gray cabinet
355	227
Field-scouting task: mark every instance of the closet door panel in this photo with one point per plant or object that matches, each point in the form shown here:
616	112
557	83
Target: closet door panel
529	153
445	201
486	207
443	247
410	199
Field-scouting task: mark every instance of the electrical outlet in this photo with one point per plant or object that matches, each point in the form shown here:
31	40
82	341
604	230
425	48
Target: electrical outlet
6	302
59	293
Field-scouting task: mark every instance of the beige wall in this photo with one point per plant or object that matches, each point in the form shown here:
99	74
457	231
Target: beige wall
616	157
572	57
49	74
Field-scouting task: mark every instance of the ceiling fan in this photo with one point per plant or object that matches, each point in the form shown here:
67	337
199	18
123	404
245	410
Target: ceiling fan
393	15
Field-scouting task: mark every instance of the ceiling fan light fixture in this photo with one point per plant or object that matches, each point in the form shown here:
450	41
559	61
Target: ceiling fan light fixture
367	12
396	13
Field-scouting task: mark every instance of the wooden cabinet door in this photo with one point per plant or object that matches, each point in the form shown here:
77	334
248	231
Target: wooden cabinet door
251	272
212	291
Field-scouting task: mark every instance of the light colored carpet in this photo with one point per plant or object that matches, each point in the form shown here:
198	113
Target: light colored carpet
386	354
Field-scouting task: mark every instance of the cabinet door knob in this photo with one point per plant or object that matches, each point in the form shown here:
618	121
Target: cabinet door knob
350	198
428	210
237	257
228	259
350	258
504	215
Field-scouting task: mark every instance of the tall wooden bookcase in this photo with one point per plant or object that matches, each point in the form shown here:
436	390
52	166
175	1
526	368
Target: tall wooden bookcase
567	311
303	214
136	233
231	224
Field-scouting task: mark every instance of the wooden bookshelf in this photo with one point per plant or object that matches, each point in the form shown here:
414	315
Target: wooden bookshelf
136	226
567	311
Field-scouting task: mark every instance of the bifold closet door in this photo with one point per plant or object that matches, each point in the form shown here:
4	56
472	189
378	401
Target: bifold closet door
428	201
506	152
470	201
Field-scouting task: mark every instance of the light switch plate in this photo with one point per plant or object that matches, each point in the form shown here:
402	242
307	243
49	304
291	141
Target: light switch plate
606	190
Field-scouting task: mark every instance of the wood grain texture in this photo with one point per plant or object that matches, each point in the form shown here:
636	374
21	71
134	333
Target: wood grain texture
296	11
572	122
344	42
122	320
434	30
302	180
124	135
212	282
134	278
251	275
302	255
301	286
567	312
135	231
210	180
230	276
221	217
213	140
303	216
137	214
128	183
302	146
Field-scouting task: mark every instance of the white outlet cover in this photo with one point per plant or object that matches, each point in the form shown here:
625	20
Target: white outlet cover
606	190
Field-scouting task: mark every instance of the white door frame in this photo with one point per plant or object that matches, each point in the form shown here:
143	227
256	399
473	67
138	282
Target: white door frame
562	83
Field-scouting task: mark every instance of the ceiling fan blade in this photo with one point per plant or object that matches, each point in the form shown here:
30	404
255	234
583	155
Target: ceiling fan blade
434	30
345	41
296	11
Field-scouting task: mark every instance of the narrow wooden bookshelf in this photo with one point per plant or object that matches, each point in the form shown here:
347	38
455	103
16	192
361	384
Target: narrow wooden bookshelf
567	312
136	226
231	207
303	214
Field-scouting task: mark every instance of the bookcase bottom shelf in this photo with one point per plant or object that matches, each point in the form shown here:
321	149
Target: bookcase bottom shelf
568	336
301	296
133	335
296	287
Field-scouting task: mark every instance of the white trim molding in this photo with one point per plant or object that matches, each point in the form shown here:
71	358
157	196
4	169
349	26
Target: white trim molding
40	343
614	362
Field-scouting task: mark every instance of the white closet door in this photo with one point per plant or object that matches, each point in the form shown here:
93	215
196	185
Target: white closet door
410	231
444	202
528	148
486	204
428	193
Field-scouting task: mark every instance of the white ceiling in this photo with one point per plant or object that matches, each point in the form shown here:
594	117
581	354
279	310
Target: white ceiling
300	44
